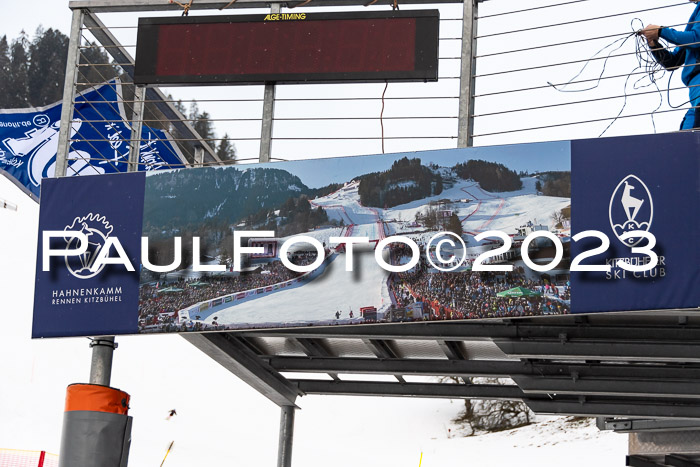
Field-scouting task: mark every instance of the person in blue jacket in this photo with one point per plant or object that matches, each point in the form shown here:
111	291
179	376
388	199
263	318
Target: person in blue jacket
686	55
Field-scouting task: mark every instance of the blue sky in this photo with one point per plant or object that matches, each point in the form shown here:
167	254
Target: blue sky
535	157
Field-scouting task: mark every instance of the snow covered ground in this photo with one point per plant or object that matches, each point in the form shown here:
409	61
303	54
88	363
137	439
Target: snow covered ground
489	211
221	420
338	290
318	300
554	442
424	427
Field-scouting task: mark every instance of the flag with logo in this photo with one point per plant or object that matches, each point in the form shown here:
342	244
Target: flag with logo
99	140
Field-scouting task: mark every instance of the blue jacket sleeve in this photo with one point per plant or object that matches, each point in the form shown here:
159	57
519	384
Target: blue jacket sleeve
667	59
689	39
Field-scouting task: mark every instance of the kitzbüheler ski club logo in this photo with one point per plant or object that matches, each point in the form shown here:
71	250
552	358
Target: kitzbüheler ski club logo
631	208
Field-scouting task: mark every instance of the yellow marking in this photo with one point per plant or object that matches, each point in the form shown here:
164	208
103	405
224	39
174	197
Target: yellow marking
168	452
421	459
285	16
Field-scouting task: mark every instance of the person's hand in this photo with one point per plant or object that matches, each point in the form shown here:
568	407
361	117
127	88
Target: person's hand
651	34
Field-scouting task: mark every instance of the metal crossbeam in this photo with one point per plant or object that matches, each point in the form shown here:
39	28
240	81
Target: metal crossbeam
383	349
640	461
607	387
431	390
112	6
495	368
517	330
676	460
422	367
236	357
633	425
453	350
315	348
611	407
628	351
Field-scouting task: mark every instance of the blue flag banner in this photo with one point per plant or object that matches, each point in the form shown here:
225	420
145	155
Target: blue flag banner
99	134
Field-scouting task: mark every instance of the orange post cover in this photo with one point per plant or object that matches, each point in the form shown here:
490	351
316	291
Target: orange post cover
96	398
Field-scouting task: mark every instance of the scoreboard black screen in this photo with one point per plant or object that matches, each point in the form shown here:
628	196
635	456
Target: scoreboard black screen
288	48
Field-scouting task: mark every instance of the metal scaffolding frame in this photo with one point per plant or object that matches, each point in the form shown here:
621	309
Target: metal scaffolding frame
632	365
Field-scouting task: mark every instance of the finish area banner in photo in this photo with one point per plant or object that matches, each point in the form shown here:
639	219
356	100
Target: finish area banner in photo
606	225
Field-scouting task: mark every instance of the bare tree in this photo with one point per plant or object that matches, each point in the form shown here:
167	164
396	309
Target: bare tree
483	416
558	218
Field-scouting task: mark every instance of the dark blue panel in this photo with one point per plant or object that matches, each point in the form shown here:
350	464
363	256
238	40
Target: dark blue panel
641	182
69	300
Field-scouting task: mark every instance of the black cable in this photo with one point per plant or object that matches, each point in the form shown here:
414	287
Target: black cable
566	23
381	114
562	104
560	87
578	41
547	86
532	9
647	67
558	125
668	94
650	67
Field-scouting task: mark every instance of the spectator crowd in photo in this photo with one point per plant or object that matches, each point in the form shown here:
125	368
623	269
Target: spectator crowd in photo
468	294
160	308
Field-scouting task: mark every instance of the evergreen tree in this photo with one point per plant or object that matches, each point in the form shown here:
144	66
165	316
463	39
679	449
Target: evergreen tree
454	225
102	69
557	184
47	64
4	70
178	105
406	181
203	126
194	111
226	151
16	86
490	175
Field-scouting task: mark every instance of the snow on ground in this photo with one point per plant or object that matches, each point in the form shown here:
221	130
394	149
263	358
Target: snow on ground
485	210
524	205
318	300
338	290
322	235
344	204
221	420
425	427
489	211
556	442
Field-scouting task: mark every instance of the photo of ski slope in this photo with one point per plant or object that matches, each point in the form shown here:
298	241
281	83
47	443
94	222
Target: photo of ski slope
516	190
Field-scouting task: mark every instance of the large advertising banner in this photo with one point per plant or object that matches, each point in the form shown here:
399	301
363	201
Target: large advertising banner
606	225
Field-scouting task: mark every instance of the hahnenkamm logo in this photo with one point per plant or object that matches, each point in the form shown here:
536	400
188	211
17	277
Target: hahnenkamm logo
97	229
631	208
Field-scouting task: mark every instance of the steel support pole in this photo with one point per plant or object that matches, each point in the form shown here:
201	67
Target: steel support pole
267	122
284	451
136	127
103	347
467	72
198	156
69	94
101	363
268	112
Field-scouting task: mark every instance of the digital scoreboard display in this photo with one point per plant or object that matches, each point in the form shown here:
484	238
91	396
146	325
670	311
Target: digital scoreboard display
288	48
